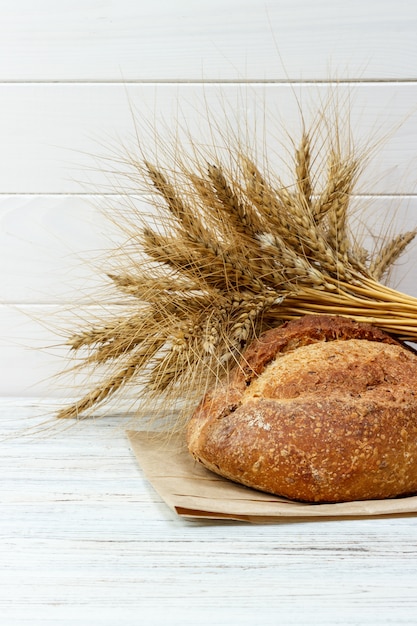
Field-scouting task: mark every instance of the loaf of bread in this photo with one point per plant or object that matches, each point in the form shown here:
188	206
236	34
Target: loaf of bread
321	409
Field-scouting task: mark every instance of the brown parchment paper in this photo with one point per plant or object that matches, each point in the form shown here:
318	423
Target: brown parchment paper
192	491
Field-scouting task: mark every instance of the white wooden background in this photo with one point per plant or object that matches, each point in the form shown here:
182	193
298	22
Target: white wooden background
84	539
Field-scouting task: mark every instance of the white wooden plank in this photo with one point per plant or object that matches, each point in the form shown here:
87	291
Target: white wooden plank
220	39
30	351
52	248
56	249
85	539
33	351
35	360
51	133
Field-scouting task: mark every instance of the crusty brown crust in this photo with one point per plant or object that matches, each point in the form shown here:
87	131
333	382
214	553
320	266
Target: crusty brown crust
304	331
322	409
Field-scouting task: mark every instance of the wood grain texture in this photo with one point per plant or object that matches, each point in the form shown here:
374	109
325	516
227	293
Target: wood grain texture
222	39
85	540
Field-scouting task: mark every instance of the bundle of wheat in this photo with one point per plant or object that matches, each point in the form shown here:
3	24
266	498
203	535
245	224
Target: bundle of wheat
235	252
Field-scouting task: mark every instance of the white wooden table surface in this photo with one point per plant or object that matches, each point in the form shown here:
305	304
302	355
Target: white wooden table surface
85	540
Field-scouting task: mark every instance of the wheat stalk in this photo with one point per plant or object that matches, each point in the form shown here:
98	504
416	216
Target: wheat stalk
236	252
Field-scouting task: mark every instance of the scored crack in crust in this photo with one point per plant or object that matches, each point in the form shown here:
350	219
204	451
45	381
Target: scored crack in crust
321	409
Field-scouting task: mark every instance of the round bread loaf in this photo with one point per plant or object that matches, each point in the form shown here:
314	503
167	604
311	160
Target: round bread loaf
321	409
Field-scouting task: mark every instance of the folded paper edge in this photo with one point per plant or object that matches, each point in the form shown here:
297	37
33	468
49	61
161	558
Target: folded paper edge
185	505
